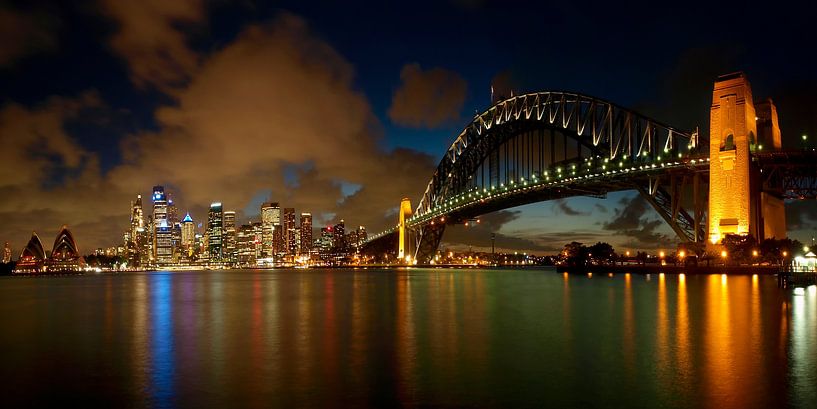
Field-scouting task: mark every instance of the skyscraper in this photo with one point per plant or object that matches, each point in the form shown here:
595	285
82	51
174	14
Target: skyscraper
290	244
136	233
188	235
340	236
215	232
230	237
162	229
270	217
306	233
246	245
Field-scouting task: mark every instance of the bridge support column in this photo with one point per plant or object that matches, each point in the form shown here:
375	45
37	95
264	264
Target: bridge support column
403	240
731	127
736	203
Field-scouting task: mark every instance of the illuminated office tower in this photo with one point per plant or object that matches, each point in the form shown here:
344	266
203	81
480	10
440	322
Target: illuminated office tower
230	237
361	235
306	233
340	236
136	234
246	245
188	235
257	230
215	232
270	217
172	211
290	244
162	229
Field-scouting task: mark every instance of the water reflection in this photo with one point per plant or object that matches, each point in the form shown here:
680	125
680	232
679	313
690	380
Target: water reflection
495	338
804	348
161	343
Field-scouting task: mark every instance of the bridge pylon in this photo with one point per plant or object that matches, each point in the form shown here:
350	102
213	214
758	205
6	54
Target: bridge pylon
403	243
736	203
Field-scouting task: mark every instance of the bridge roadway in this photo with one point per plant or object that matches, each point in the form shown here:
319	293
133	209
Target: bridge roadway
591	177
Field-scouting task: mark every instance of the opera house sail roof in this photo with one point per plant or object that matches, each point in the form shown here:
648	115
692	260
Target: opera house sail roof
33	255
64	254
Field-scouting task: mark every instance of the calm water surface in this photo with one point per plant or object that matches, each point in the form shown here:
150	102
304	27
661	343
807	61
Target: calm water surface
455	338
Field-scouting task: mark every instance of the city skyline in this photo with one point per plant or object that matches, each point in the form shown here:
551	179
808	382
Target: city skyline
117	125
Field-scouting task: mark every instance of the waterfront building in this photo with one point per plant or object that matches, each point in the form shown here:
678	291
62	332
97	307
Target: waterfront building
64	254
306	233
32	258
290	245
230	254
270	216
361	235
162	229
215	232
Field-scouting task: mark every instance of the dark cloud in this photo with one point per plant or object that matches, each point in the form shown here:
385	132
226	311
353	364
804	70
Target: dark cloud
631	221
150	39
801	215
477	236
427	99
24	33
600	208
504	84
263	105
560	206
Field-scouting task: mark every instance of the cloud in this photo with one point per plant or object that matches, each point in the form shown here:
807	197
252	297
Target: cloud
47	179
265	105
427	99
560	206
478	236
152	41
25	33
600	208
630	222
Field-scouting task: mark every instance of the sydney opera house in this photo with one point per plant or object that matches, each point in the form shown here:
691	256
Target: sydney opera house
64	256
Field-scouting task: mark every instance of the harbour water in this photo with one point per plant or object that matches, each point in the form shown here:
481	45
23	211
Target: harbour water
417	337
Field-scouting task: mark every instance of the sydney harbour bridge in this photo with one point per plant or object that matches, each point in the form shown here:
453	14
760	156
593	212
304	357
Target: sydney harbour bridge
550	145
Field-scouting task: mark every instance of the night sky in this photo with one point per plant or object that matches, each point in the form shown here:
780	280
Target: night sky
342	108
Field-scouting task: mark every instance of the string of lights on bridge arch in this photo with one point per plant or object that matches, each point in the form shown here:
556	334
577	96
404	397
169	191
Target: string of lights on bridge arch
556	176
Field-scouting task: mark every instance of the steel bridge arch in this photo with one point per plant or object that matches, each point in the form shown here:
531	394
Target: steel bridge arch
606	128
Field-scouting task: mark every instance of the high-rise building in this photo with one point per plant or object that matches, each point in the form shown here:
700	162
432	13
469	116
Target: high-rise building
361	235
172	211
326	242
162	229
245	250
6	253
215	232
270	217
230	254
340	236
306	233
259	234
188	235
135	236
290	244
